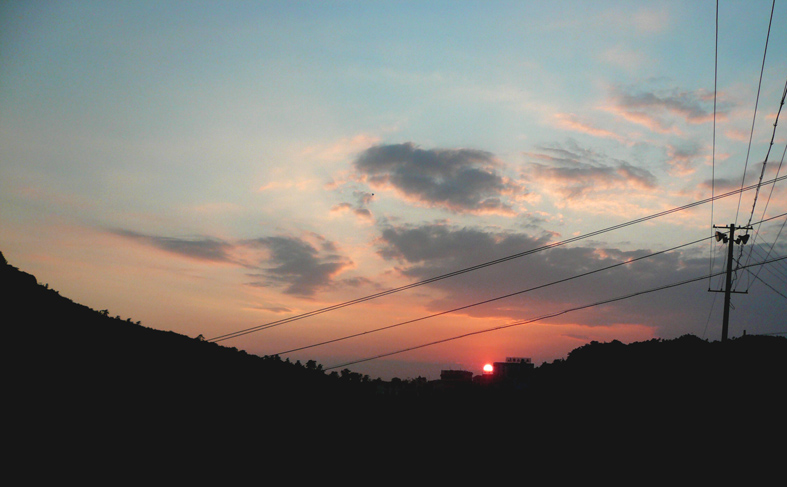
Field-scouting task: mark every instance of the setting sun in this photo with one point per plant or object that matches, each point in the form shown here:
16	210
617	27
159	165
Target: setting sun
488	368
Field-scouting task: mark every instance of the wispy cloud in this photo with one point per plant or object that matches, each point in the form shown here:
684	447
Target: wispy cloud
572	122
577	173
201	248
298	264
660	110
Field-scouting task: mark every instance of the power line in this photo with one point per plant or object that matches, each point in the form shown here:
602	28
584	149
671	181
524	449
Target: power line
770	194
756	277
560	281
756	102
768	153
753	247
762	173
540	318
773	244
773	271
713	155
483	265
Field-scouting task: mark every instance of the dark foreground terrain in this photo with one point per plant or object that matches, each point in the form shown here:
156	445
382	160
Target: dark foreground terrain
76	372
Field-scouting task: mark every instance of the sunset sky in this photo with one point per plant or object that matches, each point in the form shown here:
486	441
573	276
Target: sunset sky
210	167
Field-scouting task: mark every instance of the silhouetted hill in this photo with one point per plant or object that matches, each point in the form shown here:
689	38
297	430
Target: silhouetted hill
87	362
71	361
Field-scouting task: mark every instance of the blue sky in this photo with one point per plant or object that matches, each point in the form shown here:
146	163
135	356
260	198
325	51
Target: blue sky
206	167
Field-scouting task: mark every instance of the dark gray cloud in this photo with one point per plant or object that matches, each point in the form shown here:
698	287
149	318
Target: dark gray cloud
430	250
298	265
295	263
576	172
202	248
459	180
424	244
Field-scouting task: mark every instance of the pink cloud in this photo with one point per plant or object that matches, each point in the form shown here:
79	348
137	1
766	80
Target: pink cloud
660	110
569	121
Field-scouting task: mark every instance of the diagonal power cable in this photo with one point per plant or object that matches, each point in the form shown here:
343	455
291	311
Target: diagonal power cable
543	317
560	281
485	264
756	102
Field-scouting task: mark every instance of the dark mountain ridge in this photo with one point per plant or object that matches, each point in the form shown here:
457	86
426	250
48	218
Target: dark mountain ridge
67	352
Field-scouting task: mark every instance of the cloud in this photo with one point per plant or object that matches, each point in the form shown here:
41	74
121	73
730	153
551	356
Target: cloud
659	109
363	213
577	173
298	264
429	250
273	309
302	267
571	122
341	208
439	242
753	173
681	158
458	180
358	282
204	249
359	209
363	197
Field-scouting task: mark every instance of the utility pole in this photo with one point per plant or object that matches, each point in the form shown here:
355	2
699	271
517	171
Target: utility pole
728	284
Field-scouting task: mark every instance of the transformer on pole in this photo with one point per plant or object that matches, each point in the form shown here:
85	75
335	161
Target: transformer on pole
741	240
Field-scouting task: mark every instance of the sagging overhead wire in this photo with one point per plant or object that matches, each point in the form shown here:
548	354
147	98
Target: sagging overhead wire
756	102
483	265
762	174
770	146
770	194
772	245
542	286
540	318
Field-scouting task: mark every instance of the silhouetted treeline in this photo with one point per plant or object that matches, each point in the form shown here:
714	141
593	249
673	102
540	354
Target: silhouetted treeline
67	354
687	369
70	354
